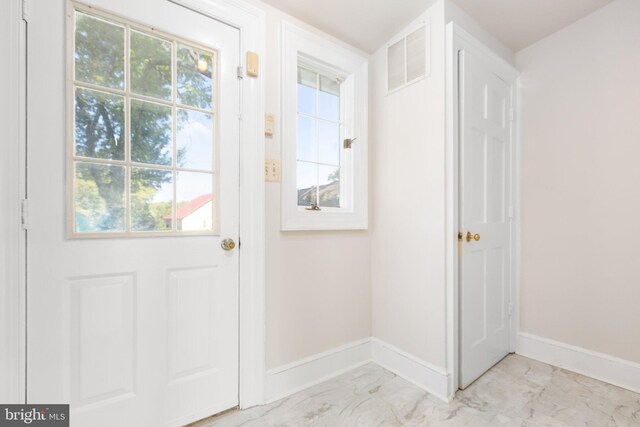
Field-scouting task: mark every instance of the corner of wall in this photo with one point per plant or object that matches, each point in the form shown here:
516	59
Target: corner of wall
452	12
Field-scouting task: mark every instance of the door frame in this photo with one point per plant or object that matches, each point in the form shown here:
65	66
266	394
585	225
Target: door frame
458	39
12	282
251	22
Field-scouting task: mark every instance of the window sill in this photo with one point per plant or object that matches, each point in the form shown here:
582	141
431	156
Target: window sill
324	221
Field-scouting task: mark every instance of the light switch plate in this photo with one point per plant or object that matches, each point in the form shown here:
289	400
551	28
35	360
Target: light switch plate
269	124
272	170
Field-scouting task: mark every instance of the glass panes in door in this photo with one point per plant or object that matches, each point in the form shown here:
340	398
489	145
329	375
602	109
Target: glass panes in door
319	130
143	145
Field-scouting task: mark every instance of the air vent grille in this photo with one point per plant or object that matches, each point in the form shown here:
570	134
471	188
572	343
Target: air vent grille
407	59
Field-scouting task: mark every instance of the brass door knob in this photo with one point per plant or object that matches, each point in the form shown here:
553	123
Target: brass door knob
228	244
470	236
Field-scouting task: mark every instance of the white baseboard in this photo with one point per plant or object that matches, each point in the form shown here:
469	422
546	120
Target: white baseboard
600	366
301	374
428	377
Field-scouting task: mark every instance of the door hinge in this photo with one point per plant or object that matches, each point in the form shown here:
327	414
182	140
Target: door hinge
26	10
510	310
512	114
240	72
510	212
24	214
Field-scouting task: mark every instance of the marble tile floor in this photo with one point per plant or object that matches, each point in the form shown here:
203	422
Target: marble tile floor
516	392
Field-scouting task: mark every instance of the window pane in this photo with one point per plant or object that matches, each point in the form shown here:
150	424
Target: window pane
329	99
99	198
99	125
307	139
329	136
195	140
306	100
194	201
150	66
307	78
99	52
330	85
307	85
329	186
307	183
396	65
151	133
151	199
195	70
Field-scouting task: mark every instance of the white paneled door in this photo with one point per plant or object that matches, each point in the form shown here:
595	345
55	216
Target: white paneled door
485	153
133	174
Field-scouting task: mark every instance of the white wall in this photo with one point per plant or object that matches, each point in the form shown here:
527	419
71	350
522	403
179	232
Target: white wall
580	135
198	219
317	283
10	312
408	191
408	259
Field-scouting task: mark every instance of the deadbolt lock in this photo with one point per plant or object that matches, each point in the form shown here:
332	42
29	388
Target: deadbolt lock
470	236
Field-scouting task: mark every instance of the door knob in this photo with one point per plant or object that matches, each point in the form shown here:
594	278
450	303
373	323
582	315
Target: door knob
228	244
470	236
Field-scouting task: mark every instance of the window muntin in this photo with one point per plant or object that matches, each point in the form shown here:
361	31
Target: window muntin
143	140
319	128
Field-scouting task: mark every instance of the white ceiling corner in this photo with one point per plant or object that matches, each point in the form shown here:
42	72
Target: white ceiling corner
520	23
368	24
365	24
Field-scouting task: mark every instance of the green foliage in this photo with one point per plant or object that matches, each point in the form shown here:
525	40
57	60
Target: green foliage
89	205
194	78
99	54
334	176
94	211
150	66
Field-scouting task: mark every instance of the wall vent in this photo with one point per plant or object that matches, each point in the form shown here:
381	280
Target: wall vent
408	58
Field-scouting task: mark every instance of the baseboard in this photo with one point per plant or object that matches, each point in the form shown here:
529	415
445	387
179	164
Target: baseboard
600	366
430	378
299	375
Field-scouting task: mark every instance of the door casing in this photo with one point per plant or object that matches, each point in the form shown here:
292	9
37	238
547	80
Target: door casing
458	39
250	20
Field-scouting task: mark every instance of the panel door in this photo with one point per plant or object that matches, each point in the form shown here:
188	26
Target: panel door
485	153
132	302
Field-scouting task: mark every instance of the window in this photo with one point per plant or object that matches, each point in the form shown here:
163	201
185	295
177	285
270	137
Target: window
324	179
318	139
407	58
142	132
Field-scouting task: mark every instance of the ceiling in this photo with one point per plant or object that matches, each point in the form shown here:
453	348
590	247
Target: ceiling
368	24
520	23
365	24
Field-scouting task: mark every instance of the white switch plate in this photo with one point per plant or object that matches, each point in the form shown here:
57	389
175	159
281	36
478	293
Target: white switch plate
272	170
269	124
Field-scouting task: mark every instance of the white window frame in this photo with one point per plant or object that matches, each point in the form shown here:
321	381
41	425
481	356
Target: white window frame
302	47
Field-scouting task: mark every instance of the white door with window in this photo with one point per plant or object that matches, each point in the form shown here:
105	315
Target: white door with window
133	174
485	197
